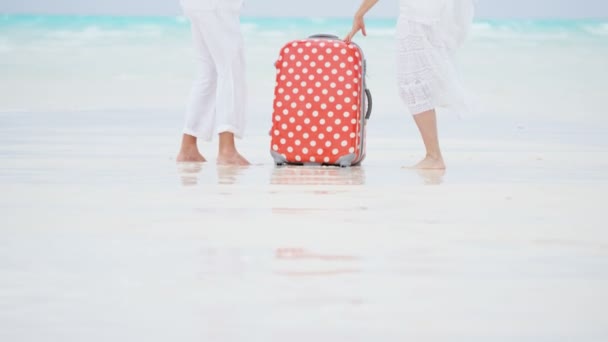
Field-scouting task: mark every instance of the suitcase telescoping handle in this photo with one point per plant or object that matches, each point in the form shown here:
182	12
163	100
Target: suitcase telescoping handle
324	36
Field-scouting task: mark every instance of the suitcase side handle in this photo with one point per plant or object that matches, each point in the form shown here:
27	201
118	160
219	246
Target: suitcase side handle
324	36
368	93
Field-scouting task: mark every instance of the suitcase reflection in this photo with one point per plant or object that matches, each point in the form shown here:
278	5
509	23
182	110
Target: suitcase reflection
317	175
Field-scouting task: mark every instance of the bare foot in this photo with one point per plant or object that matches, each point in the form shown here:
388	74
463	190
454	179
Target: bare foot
429	163
190	155
232	158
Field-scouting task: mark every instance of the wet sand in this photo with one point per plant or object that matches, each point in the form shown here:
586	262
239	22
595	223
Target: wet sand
104	237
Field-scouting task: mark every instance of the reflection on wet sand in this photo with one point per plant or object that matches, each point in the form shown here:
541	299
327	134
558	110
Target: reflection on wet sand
229	174
318	175
300	253
280	261
345	180
189	173
317	273
431	177
331	264
316	210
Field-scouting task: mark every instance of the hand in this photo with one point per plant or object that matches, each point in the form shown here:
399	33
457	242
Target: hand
358	24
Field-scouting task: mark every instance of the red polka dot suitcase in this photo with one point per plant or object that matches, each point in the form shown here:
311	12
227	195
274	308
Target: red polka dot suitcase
321	103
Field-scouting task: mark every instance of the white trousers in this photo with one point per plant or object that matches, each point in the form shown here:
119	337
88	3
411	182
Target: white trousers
217	101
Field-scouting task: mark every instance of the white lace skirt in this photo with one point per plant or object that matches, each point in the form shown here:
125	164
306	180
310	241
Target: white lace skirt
426	72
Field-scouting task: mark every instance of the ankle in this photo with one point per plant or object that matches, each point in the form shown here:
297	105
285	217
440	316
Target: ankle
434	155
189	143
227	150
227	145
189	149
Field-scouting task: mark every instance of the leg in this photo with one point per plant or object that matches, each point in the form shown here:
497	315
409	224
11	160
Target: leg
427	125
201	107
418	86
233	123
228	54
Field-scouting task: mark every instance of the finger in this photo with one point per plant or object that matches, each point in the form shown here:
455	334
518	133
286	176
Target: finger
363	30
350	36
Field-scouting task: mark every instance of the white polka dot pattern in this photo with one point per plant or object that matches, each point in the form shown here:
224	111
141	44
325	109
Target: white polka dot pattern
317	108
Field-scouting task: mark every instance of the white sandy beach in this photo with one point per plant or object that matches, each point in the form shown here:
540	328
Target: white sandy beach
105	238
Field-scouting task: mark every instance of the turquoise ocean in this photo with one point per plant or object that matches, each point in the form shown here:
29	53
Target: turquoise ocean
518	72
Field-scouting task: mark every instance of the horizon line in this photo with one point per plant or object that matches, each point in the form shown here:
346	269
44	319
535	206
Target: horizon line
248	16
